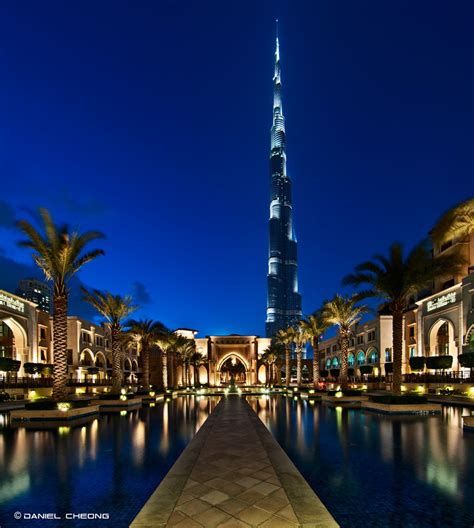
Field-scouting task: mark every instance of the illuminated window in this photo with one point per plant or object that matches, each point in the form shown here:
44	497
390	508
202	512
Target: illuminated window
360	358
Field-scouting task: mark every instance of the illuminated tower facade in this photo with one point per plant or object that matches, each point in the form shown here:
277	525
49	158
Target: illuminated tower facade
283	298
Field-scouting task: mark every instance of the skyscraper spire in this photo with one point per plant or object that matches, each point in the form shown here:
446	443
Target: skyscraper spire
283	298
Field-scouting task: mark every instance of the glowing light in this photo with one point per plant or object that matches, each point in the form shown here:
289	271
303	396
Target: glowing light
338	394
311	391
64	430
123	391
123	397
421	389
152	404
64	406
152	393
123	413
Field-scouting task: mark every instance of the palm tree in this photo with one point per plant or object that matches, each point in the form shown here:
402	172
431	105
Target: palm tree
394	279
270	357
344	313
166	343
300	337
285	338
458	223
186	348
146	332
60	254
115	309
315	325
197	359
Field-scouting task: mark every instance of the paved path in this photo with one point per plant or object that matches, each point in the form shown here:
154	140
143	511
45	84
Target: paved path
234	474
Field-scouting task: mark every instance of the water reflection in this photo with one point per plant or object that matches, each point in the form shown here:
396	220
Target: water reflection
110	465
373	470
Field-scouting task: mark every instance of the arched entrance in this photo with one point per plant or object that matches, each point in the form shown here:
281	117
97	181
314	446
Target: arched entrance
441	339
231	367
13	340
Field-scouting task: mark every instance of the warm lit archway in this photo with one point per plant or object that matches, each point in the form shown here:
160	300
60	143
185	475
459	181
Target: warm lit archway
232	367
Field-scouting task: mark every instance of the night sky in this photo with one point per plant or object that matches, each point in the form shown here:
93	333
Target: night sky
150	121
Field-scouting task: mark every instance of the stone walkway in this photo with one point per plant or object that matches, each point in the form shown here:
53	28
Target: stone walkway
235	475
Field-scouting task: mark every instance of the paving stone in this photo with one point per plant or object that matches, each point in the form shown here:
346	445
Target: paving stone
193	507
233	506
215	497
212	517
253	516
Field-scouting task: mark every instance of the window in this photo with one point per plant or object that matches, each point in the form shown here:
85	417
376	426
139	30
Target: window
43	354
448	284
412	351
445	246
99	341
350	360
42	333
411	331
388	355
328	363
373	357
360	357
335	362
360	339
371	336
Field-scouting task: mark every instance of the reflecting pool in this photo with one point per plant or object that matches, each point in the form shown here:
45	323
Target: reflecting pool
376	471
110	466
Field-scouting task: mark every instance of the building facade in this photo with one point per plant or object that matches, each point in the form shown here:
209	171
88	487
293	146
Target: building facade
437	324
36	291
26	336
283	297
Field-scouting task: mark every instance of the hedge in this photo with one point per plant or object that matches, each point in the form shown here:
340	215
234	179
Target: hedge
439	362
388	368
417	363
466	360
44	369
366	369
404	399
9	365
334	372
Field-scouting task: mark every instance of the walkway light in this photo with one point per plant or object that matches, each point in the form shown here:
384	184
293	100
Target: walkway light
64	406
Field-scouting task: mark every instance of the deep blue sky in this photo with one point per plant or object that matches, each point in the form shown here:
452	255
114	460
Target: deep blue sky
151	122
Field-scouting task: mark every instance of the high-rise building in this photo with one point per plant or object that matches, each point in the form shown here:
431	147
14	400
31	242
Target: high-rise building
36	291
283	298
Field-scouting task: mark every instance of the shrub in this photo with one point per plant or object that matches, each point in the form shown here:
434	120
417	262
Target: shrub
32	368
334	372
439	362
47	369
324	373
366	369
404	399
417	363
9	365
4	396
46	404
466	360
388	368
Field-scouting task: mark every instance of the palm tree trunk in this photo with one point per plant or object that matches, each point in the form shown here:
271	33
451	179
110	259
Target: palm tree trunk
146	367
316	361
116	361
344	364
197	375
299	352
164	364
397	336
60	347
287	366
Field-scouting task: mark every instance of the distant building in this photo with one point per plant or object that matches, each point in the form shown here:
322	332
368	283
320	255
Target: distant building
283	297
36	291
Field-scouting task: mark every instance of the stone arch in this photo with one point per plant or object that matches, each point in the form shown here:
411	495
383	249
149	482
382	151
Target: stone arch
86	359
436	348
100	360
335	362
203	375
469	342
134	365
373	356
360	358
351	359
229	355
20	338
